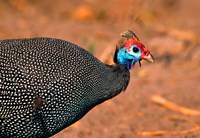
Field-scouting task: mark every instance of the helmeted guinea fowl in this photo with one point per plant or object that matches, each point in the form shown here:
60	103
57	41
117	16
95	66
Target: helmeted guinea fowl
48	84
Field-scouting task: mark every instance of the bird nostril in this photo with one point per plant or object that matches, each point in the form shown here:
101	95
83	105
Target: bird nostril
146	53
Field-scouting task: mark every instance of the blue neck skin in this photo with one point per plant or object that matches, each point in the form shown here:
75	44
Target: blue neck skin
126	59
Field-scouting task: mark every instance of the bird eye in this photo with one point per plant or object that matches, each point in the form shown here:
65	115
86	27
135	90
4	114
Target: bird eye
135	49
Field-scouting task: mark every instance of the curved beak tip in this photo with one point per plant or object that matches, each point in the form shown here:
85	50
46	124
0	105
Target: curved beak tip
149	58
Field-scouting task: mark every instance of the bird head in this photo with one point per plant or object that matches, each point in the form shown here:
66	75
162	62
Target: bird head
130	51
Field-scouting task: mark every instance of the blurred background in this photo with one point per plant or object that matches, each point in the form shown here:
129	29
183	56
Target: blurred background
162	99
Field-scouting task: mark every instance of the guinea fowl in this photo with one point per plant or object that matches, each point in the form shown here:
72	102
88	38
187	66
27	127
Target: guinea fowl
48	84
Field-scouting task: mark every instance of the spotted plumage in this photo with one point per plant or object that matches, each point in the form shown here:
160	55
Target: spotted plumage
48	84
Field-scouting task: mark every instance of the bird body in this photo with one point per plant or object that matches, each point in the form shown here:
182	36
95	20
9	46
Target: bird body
59	75
47	84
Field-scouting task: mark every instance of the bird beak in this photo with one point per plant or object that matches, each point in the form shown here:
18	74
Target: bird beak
148	57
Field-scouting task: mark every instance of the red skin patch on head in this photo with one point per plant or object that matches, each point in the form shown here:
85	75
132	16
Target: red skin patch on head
131	42
136	42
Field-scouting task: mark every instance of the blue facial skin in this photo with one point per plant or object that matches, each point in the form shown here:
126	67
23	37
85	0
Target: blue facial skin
129	57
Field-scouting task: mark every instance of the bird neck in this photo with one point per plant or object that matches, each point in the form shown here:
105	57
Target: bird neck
124	59
114	80
120	60
119	78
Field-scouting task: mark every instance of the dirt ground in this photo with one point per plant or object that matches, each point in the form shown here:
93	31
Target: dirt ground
170	29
